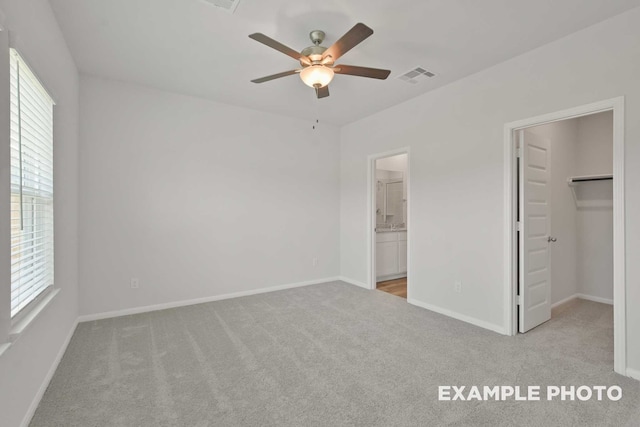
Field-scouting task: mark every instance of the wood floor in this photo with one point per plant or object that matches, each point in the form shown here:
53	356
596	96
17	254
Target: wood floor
397	287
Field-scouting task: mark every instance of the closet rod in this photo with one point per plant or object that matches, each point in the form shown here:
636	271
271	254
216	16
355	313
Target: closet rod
590	178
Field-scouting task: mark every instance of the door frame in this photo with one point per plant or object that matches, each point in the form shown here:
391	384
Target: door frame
510	234
371	214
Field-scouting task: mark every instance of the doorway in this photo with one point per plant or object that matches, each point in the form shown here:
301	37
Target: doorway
584	193
389	222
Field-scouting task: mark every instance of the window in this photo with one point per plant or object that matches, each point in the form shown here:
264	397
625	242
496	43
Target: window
31	186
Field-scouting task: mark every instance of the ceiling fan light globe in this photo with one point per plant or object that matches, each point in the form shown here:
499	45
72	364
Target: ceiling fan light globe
316	76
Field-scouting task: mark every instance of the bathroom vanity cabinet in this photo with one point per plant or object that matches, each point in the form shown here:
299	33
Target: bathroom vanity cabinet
391	254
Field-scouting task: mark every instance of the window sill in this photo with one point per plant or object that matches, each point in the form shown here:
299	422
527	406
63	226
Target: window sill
19	327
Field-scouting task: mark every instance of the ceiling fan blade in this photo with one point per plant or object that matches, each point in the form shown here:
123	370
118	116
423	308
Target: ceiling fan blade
353	37
259	37
275	76
322	92
352	70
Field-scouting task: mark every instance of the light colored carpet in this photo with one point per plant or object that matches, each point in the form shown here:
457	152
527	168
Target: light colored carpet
327	355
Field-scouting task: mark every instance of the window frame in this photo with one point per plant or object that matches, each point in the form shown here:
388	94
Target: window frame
21	318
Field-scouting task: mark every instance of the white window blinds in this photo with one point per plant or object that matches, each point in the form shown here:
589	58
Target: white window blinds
31	186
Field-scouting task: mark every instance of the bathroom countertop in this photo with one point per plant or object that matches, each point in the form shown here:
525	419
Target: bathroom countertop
389	230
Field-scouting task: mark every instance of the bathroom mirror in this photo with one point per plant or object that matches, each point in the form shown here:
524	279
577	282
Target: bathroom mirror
390	198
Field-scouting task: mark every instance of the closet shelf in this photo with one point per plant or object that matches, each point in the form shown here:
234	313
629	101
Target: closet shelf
592	196
588	178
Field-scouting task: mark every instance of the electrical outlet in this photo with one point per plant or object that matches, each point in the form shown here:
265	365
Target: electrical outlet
135	283
314	262
457	286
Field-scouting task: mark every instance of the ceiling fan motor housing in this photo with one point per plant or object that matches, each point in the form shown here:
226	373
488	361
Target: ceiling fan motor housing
314	53
317	37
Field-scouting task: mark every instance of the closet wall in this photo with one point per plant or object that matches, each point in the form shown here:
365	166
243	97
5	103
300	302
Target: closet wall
581	216
595	221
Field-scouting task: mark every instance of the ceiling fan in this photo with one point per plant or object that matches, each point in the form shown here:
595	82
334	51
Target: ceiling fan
318	62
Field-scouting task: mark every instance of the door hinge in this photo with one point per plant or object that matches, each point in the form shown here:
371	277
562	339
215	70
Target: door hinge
518	226
518	152
520	300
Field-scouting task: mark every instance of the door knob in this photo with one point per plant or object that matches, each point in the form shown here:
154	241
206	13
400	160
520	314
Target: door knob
551	239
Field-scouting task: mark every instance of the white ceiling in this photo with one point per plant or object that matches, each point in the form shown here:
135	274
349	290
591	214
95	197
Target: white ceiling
190	47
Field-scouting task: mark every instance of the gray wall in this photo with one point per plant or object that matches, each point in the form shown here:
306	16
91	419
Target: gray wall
198	199
595	221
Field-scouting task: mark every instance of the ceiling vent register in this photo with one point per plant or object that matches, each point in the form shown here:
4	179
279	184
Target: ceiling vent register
416	75
227	5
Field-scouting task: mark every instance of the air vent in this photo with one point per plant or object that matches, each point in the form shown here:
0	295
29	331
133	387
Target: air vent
228	5
416	75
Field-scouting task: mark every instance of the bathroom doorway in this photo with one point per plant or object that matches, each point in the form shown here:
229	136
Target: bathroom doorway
389	180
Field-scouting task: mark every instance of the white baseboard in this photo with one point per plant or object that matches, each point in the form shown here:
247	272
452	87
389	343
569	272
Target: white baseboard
174	304
585	297
595	299
354	282
562	301
391	277
633	373
477	322
47	379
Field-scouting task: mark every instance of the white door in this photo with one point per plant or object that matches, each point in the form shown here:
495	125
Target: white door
534	284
